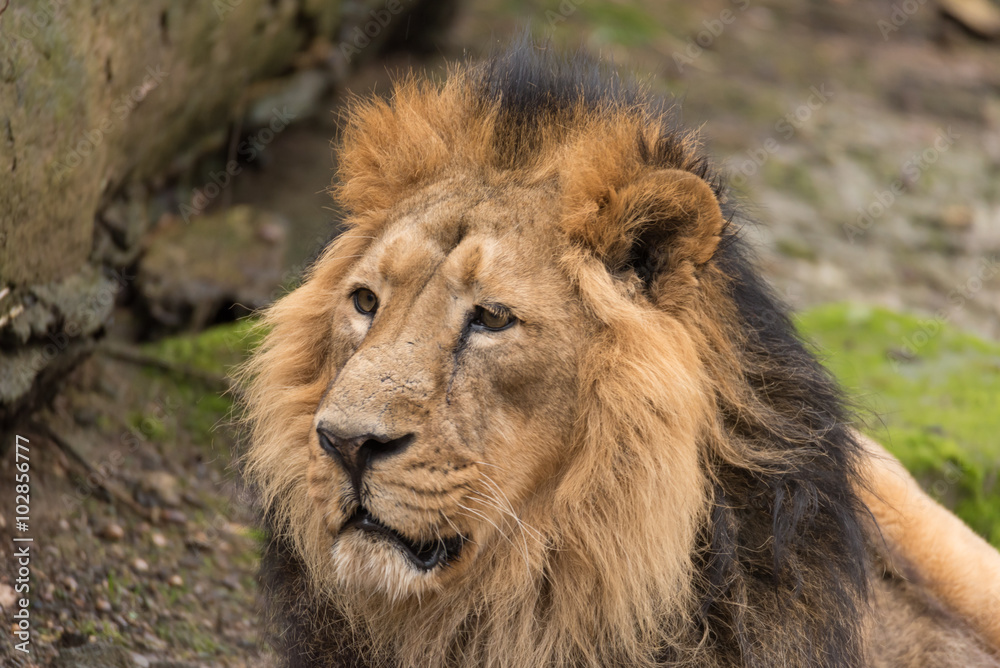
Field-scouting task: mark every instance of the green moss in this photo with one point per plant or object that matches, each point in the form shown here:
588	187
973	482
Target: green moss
797	249
148	426
191	400
791	177
935	395
619	23
214	351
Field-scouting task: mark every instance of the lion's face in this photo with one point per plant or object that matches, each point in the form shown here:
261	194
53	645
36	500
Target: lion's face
454	341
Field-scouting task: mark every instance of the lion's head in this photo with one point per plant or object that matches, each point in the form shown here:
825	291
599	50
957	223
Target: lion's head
533	406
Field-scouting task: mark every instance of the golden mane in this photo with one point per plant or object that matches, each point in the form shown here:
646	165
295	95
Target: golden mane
704	511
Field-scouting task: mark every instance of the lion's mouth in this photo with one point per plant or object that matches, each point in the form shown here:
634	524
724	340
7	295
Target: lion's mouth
424	556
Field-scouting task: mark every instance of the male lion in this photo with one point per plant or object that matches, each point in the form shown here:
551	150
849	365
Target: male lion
536	407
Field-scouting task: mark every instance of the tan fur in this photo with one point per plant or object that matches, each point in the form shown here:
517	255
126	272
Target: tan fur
578	451
931	545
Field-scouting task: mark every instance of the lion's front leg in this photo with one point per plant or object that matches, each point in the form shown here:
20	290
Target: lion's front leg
930	548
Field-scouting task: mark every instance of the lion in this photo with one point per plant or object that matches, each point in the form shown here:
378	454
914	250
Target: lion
535	406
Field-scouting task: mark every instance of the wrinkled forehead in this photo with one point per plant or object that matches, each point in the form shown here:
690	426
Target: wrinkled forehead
468	235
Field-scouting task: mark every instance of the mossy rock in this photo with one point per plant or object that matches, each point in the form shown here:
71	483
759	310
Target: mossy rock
929	393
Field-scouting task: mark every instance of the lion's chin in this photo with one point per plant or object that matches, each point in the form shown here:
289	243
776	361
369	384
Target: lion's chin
369	556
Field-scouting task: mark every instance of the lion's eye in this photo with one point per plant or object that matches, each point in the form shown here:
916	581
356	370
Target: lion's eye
365	301
493	317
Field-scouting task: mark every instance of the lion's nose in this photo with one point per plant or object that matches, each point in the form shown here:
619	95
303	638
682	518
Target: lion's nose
356	453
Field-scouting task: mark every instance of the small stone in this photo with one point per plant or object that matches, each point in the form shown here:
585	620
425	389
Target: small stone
102	605
69	583
48	592
140	661
152	642
158	488
958	217
63	524
7	597
85	416
271	233
175	581
901	355
140	565
159	540
112	532
174	516
198	541
192	499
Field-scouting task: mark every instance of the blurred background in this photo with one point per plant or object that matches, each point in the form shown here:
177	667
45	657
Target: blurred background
163	167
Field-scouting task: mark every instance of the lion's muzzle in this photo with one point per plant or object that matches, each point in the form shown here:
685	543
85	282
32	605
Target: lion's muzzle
356	453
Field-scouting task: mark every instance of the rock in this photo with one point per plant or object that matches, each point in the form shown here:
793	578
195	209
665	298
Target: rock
192	499
112	532
102	605
140	565
175	581
958	217
152	642
48	592
158	539
45	329
198	541
93	655
7	597
979	16
174	516
69	584
140	661
196	268
158	488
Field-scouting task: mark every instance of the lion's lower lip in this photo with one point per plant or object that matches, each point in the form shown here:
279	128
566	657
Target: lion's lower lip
425	556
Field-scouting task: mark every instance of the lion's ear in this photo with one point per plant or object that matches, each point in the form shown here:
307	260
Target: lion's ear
670	224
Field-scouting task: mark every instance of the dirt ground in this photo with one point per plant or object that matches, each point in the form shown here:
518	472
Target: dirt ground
866	142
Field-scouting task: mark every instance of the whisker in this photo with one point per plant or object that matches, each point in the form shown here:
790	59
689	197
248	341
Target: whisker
483	517
510	506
